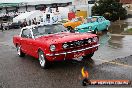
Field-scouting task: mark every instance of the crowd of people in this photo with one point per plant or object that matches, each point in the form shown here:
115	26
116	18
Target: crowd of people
30	22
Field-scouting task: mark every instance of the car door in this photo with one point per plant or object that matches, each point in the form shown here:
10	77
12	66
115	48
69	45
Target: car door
76	23
100	24
104	23
26	41
79	22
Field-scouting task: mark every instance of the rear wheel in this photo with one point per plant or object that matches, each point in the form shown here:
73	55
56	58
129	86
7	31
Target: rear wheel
42	60
19	51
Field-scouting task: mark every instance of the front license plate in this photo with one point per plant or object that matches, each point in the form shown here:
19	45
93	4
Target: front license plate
77	55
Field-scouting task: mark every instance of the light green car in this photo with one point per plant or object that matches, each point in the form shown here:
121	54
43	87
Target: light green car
93	24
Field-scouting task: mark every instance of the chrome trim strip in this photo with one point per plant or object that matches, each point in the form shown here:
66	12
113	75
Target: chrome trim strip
73	51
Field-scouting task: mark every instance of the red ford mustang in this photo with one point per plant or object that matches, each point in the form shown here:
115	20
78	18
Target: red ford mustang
54	43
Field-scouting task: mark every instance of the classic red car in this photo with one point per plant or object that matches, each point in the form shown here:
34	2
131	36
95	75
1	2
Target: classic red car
54	43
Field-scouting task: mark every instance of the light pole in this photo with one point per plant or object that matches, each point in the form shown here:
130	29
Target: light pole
91	3
26	6
87	8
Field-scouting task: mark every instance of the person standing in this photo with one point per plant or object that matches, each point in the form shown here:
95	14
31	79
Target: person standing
30	22
25	23
34	21
2	27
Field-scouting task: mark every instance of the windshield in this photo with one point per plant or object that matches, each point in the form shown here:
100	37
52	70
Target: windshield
49	29
90	20
74	20
94	19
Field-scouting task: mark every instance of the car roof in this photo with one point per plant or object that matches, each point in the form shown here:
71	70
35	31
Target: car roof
32	26
97	16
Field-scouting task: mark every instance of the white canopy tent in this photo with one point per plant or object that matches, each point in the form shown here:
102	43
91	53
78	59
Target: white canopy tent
35	2
28	16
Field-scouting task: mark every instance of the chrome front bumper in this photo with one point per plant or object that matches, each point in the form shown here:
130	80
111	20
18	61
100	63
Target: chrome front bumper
74	51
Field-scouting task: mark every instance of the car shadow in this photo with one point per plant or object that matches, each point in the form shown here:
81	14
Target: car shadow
87	62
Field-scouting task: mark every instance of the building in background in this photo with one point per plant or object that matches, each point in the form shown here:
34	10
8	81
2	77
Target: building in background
12	8
85	6
126	1
80	7
127	4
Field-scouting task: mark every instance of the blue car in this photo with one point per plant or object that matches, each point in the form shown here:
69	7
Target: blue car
93	24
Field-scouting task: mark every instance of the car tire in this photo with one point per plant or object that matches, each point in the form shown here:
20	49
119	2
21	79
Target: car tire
72	31
88	56
44	63
95	31
69	28
107	28
19	51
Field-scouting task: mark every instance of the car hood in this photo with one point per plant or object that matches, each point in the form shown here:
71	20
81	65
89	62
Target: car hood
64	37
85	25
67	23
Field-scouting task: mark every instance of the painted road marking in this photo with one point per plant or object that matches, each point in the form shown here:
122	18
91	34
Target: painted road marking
116	63
116	35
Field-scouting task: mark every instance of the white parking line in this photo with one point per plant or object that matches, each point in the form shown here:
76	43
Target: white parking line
116	63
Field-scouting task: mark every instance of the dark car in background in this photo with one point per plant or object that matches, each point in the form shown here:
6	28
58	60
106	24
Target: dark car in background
14	25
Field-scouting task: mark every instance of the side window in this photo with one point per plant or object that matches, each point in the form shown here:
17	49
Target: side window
99	20
74	19
26	33
103	19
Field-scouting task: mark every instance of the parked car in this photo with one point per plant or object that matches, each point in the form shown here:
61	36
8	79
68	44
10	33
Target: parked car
14	25
74	23
5	25
93	24
64	21
54	43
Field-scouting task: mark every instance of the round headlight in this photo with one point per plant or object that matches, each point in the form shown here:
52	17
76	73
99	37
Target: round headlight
52	47
95	39
89	40
65	46
89	27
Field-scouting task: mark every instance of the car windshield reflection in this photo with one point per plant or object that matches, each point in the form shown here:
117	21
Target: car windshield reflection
90	20
48	29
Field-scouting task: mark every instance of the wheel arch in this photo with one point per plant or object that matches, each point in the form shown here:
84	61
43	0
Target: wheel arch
16	44
41	49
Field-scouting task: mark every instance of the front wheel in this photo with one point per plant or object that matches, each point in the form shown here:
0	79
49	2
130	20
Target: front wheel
42	60
69	28
95	31
88	56
19	51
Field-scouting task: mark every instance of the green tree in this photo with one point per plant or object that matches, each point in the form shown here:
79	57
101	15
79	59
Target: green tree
110	9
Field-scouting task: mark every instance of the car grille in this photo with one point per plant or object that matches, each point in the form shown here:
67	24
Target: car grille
77	43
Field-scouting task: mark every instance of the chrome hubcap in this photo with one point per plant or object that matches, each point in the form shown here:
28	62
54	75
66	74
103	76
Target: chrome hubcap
41	59
18	50
107	28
